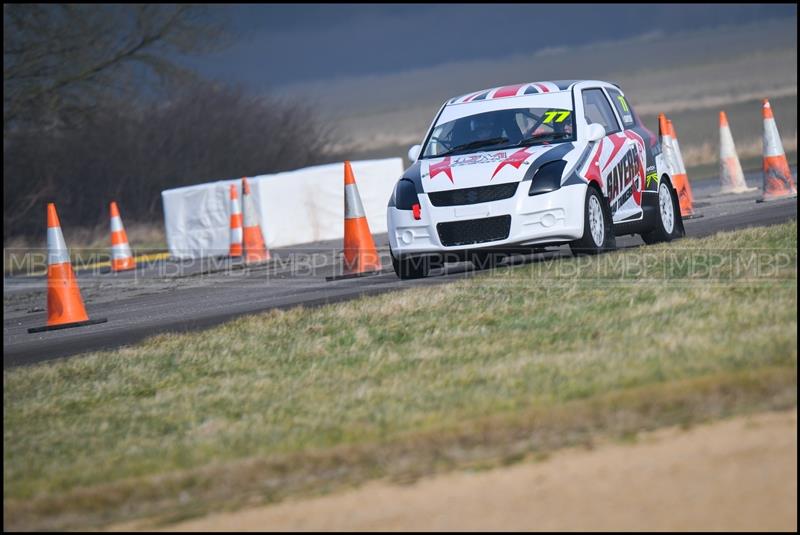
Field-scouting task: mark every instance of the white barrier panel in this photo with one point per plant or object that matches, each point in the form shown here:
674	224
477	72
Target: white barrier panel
295	207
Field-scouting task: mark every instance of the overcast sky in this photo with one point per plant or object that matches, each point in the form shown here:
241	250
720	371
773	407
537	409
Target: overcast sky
281	44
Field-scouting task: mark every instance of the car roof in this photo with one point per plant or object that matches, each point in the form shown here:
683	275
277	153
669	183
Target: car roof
529	88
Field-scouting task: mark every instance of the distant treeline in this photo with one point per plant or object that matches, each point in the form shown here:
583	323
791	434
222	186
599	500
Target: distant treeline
97	108
130	153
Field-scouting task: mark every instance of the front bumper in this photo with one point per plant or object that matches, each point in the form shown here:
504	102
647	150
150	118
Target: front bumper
546	218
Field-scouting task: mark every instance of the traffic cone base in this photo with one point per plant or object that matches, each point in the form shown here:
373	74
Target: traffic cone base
681	185
66	325
121	256
359	247
778	183
730	169
360	255
123	264
64	304
680	180
778	180
255	248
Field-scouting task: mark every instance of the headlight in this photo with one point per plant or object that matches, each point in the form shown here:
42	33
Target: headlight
405	195
547	178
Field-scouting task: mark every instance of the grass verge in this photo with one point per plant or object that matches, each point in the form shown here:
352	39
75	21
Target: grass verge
88	246
477	373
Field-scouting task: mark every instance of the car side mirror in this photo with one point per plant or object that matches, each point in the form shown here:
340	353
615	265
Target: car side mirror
413	152
595	131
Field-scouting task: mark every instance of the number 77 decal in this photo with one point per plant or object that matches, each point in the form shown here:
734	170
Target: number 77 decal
550	115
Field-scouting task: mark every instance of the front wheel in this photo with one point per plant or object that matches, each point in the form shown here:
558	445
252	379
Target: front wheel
598	230
669	225
411	268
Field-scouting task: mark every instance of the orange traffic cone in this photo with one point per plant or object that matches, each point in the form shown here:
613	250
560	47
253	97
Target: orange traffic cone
236	225
64	304
680	180
121	257
360	255
666	144
255	249
778	180
730	169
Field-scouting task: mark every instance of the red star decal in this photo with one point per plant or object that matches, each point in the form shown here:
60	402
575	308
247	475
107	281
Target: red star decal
638	183
515	160
593	169
441	167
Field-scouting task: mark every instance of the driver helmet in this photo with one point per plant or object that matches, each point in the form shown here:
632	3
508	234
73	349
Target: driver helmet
483	126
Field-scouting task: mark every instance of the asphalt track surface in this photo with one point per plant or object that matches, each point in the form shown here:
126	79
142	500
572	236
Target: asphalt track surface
171	296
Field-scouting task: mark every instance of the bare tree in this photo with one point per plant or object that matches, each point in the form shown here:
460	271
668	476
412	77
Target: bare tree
96	107
59	60
200	131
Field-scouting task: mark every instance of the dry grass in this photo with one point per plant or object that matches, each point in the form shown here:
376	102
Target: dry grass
479	371
87	245
708	152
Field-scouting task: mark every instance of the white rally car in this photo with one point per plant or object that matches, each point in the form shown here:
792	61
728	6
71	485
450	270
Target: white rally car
515	168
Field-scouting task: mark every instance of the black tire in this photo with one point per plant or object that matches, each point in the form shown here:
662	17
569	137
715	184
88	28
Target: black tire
587	244
486	259
411	268
666	229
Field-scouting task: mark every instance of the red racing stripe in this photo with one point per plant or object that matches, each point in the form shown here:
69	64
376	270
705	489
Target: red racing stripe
508	91
542	87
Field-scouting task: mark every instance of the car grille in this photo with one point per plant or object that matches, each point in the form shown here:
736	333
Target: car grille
473	195
474	230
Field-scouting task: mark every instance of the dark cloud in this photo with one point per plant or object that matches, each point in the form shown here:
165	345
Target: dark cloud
280	44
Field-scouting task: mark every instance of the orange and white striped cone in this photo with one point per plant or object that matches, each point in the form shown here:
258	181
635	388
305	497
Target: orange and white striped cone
680	179
730	169
778	180
121	256
360	255
64	303
255	248
236	225
667	148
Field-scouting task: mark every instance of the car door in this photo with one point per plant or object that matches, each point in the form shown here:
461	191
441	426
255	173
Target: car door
621	158
634	127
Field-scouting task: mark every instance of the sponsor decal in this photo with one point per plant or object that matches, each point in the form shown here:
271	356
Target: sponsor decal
625	180
482	157
623	103
558	115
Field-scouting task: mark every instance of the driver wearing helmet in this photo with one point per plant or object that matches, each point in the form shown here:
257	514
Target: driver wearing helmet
483	127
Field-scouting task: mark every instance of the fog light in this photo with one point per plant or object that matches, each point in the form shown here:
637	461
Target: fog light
548	220
407	236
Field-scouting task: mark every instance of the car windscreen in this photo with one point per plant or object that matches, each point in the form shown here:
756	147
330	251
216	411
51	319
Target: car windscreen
501	129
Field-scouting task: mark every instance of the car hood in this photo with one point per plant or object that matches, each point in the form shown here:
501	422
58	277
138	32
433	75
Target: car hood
487	168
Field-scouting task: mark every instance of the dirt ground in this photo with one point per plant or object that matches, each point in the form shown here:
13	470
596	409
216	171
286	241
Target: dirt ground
738	474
